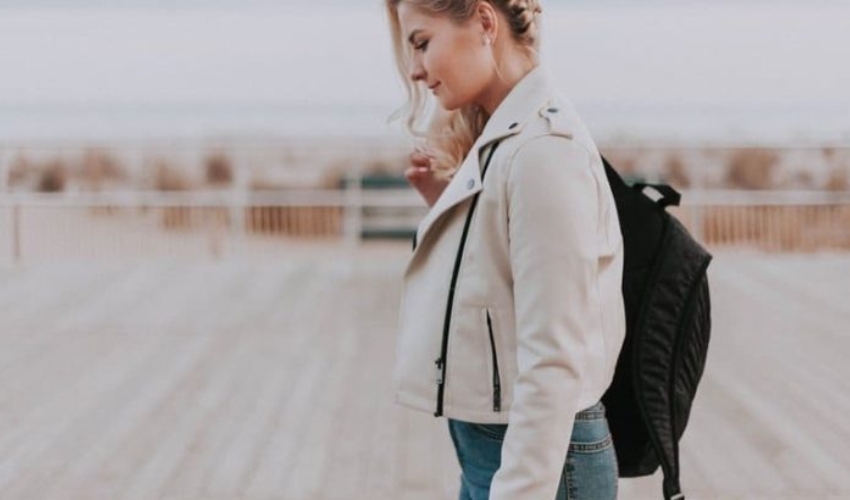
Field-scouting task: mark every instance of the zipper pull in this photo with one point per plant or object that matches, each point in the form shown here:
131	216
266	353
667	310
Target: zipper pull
439	364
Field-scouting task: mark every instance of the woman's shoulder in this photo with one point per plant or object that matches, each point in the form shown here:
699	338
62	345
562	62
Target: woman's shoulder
557	117
556	127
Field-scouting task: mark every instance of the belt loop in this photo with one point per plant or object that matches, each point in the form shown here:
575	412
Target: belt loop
592	412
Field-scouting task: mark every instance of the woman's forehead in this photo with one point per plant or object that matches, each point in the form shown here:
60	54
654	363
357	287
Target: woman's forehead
412	17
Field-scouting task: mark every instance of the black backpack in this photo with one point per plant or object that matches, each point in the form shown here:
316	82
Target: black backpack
668	324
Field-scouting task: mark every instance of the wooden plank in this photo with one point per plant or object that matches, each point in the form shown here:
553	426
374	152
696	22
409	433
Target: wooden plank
307	369
53	423
233	380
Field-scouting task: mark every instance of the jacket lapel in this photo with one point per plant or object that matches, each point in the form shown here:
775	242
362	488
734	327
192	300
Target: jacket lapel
521	103
465	183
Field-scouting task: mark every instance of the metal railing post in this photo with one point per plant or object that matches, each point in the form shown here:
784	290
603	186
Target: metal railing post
16	233
696	220
238	207
353	218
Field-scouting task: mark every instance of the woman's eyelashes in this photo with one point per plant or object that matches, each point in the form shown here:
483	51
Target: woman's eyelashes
422	45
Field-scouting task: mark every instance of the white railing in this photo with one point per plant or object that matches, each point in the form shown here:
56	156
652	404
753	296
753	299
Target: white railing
126	223
231	222
774	221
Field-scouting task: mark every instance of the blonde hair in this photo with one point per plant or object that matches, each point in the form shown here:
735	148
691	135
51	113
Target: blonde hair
451	134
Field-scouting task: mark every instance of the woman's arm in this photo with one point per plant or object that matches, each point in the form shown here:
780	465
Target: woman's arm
552	222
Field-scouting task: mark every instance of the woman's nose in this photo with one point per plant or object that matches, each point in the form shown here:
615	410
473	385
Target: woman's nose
417	72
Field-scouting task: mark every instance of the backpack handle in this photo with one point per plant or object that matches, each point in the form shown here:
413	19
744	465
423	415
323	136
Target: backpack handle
669	196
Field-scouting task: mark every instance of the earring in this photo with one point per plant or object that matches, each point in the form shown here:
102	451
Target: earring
485	39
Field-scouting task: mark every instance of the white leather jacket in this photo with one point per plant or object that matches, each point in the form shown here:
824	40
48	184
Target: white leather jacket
524	325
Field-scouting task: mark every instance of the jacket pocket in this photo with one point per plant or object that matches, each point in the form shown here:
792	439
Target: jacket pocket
497	381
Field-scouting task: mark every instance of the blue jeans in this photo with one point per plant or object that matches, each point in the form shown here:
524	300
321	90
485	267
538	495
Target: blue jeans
589	472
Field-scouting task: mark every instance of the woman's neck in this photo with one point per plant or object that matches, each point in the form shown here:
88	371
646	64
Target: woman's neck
507	76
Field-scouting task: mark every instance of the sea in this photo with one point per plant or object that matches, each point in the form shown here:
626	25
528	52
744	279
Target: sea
696	72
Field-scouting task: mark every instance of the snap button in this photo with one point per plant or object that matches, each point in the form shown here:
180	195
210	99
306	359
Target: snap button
513	125
470	184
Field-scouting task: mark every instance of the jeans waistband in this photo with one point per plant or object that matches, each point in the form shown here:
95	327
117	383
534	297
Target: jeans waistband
594	412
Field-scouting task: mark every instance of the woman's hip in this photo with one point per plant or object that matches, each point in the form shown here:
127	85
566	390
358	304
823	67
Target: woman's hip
589	470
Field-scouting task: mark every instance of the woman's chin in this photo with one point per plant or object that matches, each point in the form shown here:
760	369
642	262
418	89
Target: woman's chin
447	104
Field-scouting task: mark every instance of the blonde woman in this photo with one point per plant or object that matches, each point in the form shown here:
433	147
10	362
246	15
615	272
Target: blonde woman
512	317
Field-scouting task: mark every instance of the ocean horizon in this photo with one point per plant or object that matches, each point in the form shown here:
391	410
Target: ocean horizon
695	72
690	124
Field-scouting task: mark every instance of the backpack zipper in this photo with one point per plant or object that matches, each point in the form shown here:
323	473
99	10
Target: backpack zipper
497	383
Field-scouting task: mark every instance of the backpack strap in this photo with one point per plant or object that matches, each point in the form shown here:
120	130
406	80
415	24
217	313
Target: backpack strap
614	178
672	490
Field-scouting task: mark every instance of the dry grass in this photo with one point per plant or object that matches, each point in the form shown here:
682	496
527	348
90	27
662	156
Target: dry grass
167	177
676	171
291	166
20	170
99	169
95	170
53	177
752	168
263	184
838	180
219	169
828	153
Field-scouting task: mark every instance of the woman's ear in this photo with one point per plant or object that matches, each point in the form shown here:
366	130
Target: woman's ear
488	19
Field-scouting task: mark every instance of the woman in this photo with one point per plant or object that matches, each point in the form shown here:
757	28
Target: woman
512	316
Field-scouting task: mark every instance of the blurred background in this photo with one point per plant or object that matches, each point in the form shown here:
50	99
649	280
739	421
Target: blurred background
188	187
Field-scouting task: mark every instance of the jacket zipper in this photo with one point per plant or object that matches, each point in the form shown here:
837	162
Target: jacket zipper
441	361
497	383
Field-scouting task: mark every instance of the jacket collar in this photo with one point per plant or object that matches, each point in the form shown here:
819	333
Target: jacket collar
534	90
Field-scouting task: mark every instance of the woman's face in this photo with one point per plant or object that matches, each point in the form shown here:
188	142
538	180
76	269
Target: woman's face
451	59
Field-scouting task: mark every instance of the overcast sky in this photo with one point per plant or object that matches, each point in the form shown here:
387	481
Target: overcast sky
693	53
336	53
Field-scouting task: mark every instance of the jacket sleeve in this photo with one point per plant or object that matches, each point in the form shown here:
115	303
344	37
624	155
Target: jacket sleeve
552	224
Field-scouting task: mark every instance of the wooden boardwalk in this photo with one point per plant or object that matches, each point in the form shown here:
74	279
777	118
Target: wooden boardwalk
269	379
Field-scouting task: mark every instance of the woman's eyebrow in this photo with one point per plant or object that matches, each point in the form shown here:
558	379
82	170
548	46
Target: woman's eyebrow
413	35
